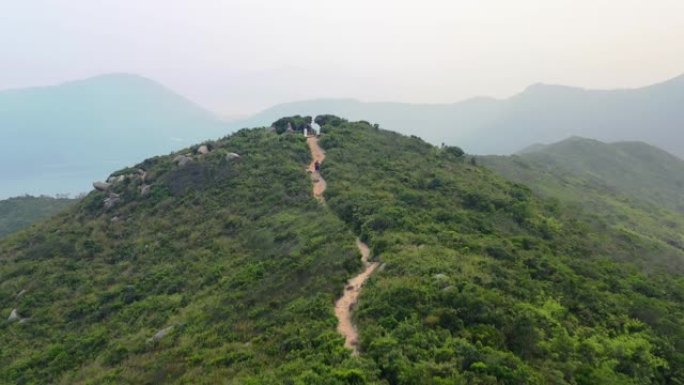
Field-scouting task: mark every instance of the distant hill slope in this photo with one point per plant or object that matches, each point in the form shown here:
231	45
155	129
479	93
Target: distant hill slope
635	169
541	113
20	212
59	139
634	186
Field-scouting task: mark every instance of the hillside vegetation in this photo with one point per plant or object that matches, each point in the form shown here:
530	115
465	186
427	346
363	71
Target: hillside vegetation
633	187
20	212
484	283
233	254
637	169
225	271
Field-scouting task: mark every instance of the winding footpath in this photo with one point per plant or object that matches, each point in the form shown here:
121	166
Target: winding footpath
317	155
345	304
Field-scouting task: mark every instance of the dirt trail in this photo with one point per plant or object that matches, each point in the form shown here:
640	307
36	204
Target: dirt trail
317	155
345	305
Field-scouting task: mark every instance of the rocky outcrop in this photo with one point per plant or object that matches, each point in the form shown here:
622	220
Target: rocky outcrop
145	189
101	186
232	155
116	179
111	200
182	160
203	149
161	334
14	316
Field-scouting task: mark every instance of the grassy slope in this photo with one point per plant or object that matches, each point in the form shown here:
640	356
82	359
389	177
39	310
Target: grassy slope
236	255
485	284
632	168
632	187
20	212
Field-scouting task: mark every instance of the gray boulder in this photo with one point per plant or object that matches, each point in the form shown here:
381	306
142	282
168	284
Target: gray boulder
116	179
111	200
14	316
161	334
101	186
182	160
203	149
232	155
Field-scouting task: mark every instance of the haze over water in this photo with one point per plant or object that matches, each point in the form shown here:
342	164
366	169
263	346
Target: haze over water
237	57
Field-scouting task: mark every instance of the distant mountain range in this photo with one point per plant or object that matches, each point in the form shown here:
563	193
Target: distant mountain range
59	139
541	113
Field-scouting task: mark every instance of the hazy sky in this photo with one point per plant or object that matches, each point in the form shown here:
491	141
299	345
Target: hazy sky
237	56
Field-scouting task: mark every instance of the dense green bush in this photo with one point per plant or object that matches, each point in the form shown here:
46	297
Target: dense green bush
327	119
296	123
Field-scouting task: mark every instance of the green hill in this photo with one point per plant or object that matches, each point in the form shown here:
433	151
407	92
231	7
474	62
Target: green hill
632	168
633	187
225	271
20	212
59	139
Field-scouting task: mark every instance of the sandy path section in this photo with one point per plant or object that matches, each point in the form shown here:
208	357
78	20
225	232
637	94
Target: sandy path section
345	305
317	154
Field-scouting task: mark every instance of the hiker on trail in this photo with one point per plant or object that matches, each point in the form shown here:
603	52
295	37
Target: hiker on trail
317	166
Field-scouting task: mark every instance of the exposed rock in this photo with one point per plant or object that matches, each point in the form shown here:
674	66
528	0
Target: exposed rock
182	160
161	334
116	179
145	189
232	155
101	186
203	149
21	293
111	200
14	316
